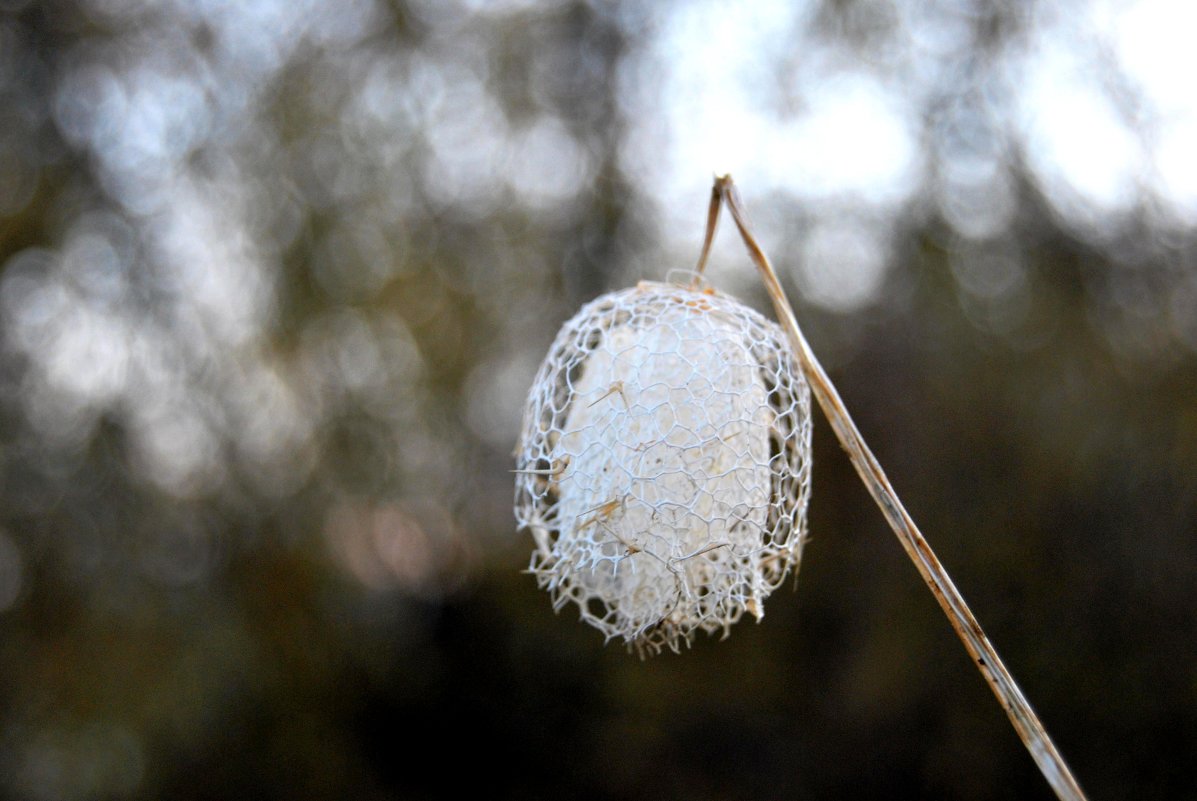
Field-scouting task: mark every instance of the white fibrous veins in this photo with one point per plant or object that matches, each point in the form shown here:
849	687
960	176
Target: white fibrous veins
664	464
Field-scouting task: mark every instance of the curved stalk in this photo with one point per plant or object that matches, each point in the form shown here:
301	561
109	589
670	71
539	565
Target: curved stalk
1019	710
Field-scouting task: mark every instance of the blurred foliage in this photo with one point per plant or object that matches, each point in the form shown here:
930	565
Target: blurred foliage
276	276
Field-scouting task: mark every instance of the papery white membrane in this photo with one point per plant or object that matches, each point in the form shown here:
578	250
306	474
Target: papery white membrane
664	464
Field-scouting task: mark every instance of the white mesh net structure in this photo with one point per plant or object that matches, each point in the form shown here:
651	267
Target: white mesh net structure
664	464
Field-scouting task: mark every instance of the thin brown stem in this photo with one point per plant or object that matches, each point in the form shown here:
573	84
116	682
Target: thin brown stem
1022	716
712	224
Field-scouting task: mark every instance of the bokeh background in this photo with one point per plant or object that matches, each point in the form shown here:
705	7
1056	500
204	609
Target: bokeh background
276	276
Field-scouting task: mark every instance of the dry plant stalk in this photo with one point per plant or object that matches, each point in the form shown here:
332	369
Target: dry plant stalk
1022	716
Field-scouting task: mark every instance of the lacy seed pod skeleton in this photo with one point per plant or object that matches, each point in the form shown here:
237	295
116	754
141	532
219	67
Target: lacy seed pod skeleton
684	422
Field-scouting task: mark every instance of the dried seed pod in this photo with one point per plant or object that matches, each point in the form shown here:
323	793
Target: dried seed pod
664	464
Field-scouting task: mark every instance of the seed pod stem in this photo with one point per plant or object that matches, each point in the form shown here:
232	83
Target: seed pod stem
1030	729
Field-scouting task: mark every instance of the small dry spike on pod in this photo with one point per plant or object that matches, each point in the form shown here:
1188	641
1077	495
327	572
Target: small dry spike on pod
664	464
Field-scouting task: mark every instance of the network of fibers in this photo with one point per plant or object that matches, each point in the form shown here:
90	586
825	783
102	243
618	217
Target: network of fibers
664	464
